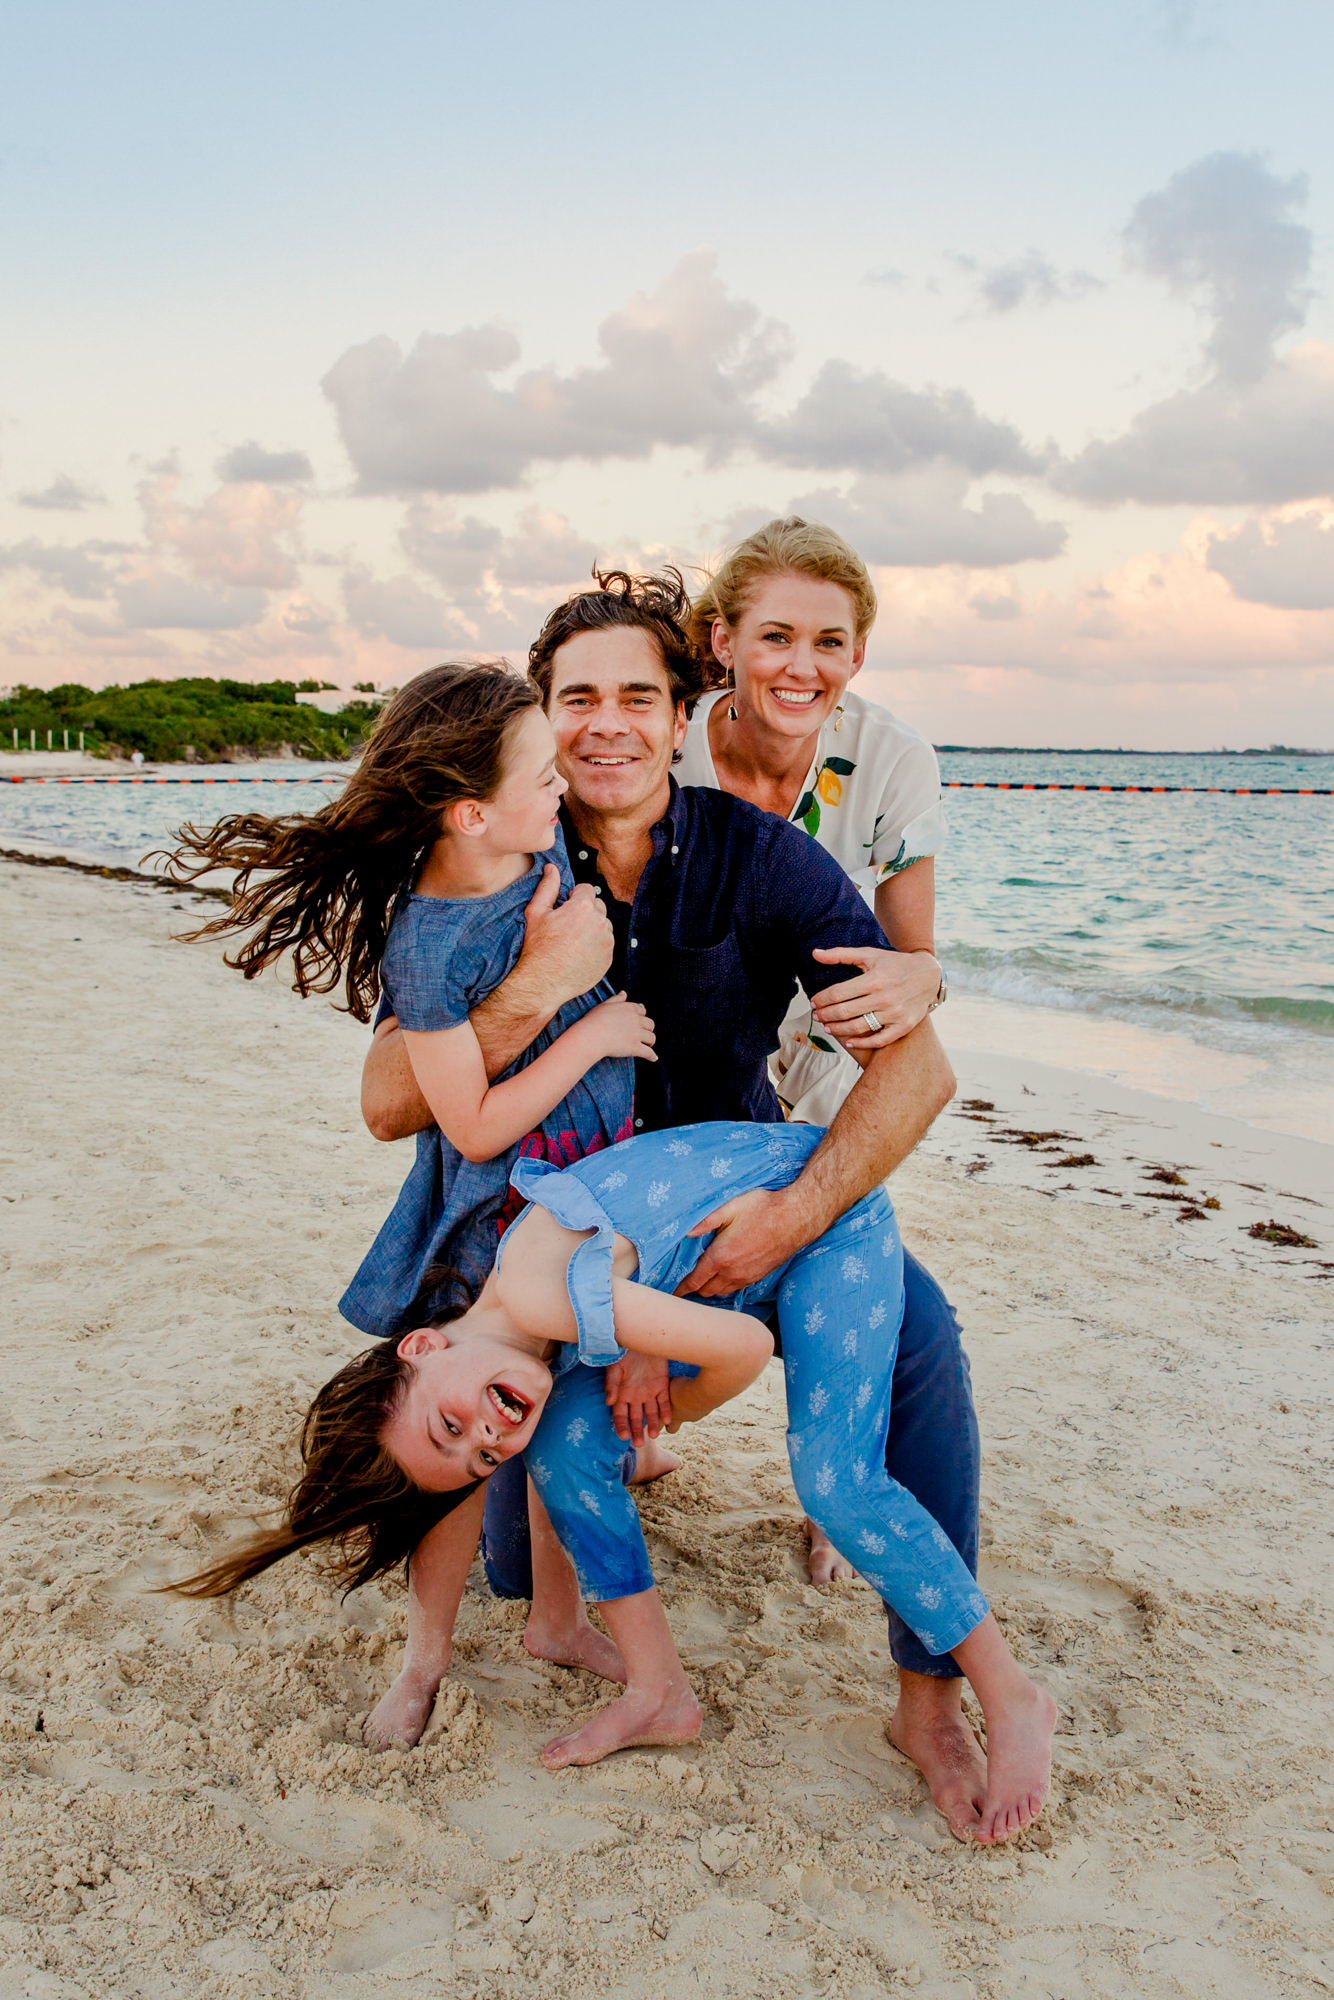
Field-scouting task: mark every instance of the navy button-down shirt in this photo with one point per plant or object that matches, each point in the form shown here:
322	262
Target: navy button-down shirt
729	908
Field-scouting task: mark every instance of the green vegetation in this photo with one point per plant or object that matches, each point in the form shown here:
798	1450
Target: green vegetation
187	721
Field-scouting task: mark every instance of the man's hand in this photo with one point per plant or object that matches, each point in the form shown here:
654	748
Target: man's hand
567	950
895	986
639	1394
755	1233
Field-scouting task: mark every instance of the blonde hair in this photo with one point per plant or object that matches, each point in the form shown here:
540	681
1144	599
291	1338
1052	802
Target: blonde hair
788	546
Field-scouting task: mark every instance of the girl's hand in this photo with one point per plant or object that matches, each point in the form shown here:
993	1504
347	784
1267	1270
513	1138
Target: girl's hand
896	986
639	1396
621	1027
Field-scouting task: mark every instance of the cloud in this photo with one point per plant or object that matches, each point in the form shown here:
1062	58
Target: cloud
680	367
250	461
160	601
1220	229
862	420
400	610
921	520
239	535
1260	429
995	606
80	572
1027	280
1222	445
1286	563
887	274
683	367
63	496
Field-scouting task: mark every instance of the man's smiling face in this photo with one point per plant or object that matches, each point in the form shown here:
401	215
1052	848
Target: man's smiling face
617	727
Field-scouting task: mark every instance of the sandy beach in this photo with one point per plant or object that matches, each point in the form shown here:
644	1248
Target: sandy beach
185	1806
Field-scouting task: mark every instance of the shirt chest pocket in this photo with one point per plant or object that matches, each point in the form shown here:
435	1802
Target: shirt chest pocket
713	1006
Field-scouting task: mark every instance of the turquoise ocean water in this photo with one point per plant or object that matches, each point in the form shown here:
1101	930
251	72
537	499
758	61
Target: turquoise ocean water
1200	925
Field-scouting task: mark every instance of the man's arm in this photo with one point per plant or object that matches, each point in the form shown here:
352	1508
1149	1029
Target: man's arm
892	1104
565	952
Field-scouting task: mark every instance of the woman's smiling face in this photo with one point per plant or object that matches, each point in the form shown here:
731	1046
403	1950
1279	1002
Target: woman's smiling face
792	652
472	1403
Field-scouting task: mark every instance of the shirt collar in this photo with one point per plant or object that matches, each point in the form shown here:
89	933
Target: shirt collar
667	834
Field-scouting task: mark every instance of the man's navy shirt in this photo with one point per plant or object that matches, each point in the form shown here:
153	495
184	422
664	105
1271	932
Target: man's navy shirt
729	908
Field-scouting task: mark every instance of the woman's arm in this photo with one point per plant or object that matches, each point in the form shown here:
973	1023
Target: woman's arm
897	986
483	1119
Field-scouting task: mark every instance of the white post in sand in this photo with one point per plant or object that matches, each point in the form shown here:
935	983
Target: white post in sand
32	739
66	736
81	739
48	739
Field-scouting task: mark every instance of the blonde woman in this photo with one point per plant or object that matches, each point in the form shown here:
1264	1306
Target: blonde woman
786	615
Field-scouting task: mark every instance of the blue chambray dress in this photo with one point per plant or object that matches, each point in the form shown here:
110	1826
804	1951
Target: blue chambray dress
839	1303
442	957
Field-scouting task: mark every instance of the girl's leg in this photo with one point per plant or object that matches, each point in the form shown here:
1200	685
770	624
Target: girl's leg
658	1705
437	1576
558	1627
1020	1718
838	1309
575	1462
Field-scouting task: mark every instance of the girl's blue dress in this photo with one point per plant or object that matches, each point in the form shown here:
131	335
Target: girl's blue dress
443	956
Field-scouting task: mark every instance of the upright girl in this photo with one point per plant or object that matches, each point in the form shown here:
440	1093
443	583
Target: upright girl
411	887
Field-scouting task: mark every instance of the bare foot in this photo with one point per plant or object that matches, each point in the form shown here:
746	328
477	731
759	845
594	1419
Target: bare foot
827	1565
653	1461
577	1644
403	1711
1018	1763
938	1739
670	1715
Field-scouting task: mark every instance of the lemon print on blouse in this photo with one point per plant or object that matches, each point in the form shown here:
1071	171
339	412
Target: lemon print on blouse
828	786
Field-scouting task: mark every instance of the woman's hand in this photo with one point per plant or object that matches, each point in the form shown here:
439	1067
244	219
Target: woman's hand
896	986
620	1027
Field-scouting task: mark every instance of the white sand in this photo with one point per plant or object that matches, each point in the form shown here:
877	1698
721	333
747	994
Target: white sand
184	1805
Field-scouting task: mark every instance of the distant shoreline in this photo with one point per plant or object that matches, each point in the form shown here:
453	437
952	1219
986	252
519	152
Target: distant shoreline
1050	750
71	761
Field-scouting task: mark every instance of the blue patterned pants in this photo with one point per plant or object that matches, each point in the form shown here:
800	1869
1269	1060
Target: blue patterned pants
839	1303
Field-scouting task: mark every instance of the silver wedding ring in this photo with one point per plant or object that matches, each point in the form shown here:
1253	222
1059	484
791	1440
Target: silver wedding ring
873	1022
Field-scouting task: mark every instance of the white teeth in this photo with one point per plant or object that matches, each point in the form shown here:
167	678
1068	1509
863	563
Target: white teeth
791	698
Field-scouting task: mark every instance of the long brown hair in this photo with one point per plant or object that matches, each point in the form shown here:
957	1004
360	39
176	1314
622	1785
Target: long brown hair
351	1492
658	605
329	880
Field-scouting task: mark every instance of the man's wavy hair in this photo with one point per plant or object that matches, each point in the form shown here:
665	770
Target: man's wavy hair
658	605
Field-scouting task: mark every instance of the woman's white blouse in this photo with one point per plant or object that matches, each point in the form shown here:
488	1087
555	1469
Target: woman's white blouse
872	800
871	797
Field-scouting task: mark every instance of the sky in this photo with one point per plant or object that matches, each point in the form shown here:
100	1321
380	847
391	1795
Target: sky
340	340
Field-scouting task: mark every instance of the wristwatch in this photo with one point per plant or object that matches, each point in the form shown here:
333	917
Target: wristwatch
943	995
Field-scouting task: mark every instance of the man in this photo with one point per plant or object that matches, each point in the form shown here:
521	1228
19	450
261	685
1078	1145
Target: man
708	911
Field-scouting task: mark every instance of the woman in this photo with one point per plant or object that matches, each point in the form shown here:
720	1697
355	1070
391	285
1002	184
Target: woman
787	615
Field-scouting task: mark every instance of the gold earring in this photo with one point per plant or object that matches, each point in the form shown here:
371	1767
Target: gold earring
731	706
839	722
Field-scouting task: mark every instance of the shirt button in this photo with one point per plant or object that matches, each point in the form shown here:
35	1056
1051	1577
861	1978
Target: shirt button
638	1121
675	850
583	853
634	944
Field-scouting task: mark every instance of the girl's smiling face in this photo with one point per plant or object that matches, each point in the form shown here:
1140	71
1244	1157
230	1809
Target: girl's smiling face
520	815
791	653
474	1401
